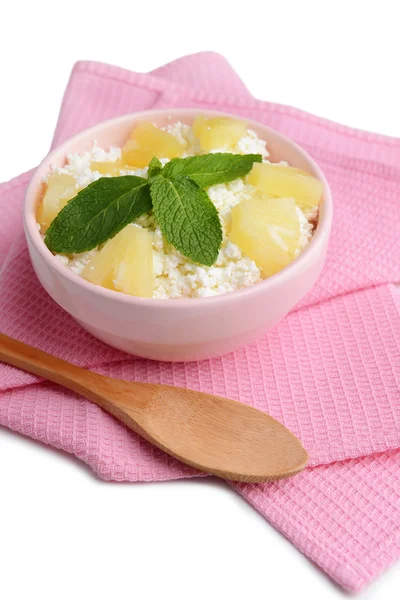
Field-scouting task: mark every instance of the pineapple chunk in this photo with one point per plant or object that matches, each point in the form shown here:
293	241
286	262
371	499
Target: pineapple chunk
107	167
125	263
283	181
60	188
100	268
221	132
147	141
134	273
267	230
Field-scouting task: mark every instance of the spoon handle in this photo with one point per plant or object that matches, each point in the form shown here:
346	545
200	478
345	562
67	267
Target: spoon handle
50	367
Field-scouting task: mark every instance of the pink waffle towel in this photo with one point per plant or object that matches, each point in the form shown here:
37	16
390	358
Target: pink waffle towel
330	371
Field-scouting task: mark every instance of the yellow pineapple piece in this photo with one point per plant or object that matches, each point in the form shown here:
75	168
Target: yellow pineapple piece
125	263
283	181
134	273
107	167
147	141
267	230
100	268
60	188
220	132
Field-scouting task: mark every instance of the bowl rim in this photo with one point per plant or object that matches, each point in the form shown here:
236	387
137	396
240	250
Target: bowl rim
316	243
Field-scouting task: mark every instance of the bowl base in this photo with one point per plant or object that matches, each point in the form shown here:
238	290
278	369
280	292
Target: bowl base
175	352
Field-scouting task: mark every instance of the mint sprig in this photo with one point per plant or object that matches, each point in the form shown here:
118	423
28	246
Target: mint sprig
210	169
187	218
97	213
182	208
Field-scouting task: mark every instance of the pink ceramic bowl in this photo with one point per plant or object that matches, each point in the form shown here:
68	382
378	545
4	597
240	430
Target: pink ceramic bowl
185	329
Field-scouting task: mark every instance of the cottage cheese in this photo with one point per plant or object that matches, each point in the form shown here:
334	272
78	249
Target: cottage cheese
175	275
78	165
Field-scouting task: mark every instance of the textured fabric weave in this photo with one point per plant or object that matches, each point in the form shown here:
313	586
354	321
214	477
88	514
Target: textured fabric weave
330	371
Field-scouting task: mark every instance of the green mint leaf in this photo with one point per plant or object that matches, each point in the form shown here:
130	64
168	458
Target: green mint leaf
187	217
210	169
97	213
154	167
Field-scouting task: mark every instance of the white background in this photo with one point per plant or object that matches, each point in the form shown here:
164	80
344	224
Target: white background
63	533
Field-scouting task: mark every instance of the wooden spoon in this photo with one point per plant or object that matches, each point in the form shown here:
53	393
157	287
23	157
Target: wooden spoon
213	434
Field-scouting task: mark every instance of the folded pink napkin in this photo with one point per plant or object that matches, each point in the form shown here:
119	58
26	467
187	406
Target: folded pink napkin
330	371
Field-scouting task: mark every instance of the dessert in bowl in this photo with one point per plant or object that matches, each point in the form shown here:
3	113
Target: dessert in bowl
198	254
